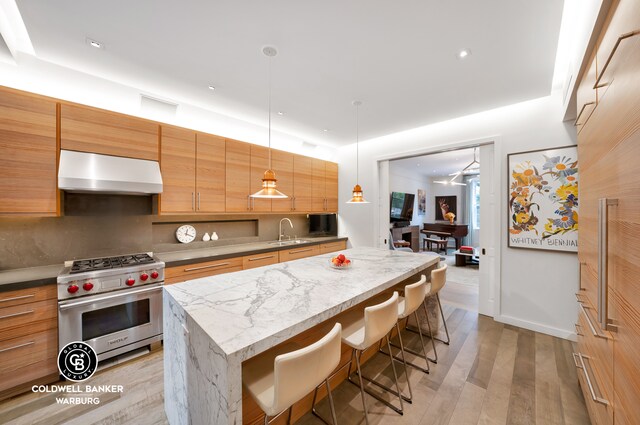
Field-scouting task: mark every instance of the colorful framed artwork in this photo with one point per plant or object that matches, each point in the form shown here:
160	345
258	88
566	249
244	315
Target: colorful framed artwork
422	202
444	205
543	199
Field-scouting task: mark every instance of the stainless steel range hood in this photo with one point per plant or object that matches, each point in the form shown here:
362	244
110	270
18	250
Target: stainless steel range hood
90	172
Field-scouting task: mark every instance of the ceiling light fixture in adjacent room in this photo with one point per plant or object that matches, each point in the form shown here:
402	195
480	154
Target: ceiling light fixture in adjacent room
472	168
280	113
269	179
464	53
212	88
95	44
357	196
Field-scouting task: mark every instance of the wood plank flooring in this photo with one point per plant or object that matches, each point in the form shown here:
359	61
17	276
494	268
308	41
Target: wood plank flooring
490	374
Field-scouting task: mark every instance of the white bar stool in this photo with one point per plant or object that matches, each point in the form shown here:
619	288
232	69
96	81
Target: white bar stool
414	296
438	280
361	333
277	383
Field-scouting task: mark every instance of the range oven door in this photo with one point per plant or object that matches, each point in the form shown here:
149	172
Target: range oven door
113	322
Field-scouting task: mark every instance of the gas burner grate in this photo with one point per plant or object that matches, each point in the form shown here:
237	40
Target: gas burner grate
94	264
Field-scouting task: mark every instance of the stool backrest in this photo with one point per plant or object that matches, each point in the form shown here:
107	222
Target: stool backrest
438	279
414	295
380	319
299	372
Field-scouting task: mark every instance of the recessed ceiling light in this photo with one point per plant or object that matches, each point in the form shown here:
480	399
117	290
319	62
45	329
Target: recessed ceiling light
325	129
95	44
280	113
464	53
212	88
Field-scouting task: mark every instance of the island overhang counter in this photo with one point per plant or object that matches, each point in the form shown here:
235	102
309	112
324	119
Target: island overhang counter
213	324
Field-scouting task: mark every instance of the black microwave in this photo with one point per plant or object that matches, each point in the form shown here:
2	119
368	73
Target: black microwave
323	224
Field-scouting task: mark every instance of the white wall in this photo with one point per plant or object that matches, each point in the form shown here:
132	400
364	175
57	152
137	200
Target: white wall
537	289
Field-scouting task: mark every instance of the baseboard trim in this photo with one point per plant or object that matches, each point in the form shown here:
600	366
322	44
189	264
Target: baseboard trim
537	327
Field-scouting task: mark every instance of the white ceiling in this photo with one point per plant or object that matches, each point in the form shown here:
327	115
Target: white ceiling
398	58
437	164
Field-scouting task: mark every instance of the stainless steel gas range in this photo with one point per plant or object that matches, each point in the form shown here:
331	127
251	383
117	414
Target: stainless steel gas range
113	304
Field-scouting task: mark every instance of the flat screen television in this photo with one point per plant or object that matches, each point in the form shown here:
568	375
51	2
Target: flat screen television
323	224
401	206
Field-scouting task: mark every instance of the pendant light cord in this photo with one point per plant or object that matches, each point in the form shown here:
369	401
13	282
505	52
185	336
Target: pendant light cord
270	59
357	144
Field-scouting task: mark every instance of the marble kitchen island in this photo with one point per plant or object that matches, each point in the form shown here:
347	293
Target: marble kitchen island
213	324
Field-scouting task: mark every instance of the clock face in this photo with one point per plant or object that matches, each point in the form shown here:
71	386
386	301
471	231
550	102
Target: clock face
186	233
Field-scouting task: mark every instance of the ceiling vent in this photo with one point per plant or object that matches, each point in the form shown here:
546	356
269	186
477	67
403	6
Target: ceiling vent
157	109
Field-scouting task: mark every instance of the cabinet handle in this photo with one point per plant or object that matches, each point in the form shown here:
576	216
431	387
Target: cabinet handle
582	366
17	346
603	261
293	203
211	266
193	201
248	203
597	85
198	201
300	250
261	258
579	298
16	314
575	360
22	297
575	123
577	330
591	327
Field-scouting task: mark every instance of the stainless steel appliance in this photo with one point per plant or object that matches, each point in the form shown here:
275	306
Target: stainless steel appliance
113	304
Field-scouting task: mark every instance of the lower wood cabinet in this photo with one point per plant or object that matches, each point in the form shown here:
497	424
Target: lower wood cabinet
333	247
297	253
209	268
28	338
259	260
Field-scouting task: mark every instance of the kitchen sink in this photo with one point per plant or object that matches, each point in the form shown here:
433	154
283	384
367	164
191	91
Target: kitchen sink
288	242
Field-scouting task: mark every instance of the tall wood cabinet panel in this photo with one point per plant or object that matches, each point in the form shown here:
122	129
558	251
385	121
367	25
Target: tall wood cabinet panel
609	148
237	177
331	186
210	173
93	130
28	154
178	165
259	164
318	186
302	183
283	167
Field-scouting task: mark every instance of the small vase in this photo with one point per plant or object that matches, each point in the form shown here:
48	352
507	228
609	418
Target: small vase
214	236
451	220
206	237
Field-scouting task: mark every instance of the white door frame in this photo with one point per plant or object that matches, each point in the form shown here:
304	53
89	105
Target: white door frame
490	304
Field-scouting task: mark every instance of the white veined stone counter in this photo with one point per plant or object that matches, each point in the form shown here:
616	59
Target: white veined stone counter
213	324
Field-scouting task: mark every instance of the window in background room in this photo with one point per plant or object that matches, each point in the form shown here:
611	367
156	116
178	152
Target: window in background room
475	204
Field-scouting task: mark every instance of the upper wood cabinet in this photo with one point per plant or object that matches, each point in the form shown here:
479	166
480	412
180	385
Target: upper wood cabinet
324	186
93	130
302	183
238	174
28	154
259	164
210	173
178	166
282	163
331	186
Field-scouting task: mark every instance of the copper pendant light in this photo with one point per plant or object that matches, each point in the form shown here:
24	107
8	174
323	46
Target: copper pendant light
356	195
269	180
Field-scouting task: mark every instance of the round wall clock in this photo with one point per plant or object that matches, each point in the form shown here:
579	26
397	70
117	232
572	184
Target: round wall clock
186	233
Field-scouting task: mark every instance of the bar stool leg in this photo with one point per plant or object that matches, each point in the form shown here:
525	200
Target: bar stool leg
364	402
404	362
444	321
334	420
433	342
395	376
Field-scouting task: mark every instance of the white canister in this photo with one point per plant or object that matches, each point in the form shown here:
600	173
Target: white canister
206	237
214	236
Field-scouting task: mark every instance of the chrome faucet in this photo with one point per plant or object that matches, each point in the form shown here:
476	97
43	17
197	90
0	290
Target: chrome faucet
280	234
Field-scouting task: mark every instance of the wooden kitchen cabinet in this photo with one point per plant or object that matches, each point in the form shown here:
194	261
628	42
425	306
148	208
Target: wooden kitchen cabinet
28	338
87	129
302	183
318	185
259	260
333	247
283	166
238	175
331	186
28	154
586	96
259	164
178	165
178	274
297	253
210	173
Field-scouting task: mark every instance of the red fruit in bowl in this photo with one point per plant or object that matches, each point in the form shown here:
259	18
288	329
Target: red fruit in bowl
341	257
347	262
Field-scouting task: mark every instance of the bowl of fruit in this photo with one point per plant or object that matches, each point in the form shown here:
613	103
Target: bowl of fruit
340	262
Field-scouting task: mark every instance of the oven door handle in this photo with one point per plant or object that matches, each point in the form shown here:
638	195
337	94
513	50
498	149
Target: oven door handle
107	297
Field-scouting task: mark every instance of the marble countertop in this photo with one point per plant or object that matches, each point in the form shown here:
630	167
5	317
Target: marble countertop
179	258
247	312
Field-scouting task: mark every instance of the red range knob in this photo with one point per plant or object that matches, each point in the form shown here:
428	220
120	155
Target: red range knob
154	274
72	289
144	277
130	281
87	286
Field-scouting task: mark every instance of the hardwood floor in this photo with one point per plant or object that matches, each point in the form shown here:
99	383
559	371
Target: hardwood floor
490	374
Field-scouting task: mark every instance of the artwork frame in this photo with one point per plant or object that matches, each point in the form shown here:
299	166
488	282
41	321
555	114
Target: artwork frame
451	202
422	202
542	199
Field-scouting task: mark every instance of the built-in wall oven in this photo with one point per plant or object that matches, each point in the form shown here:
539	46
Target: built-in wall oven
115	308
